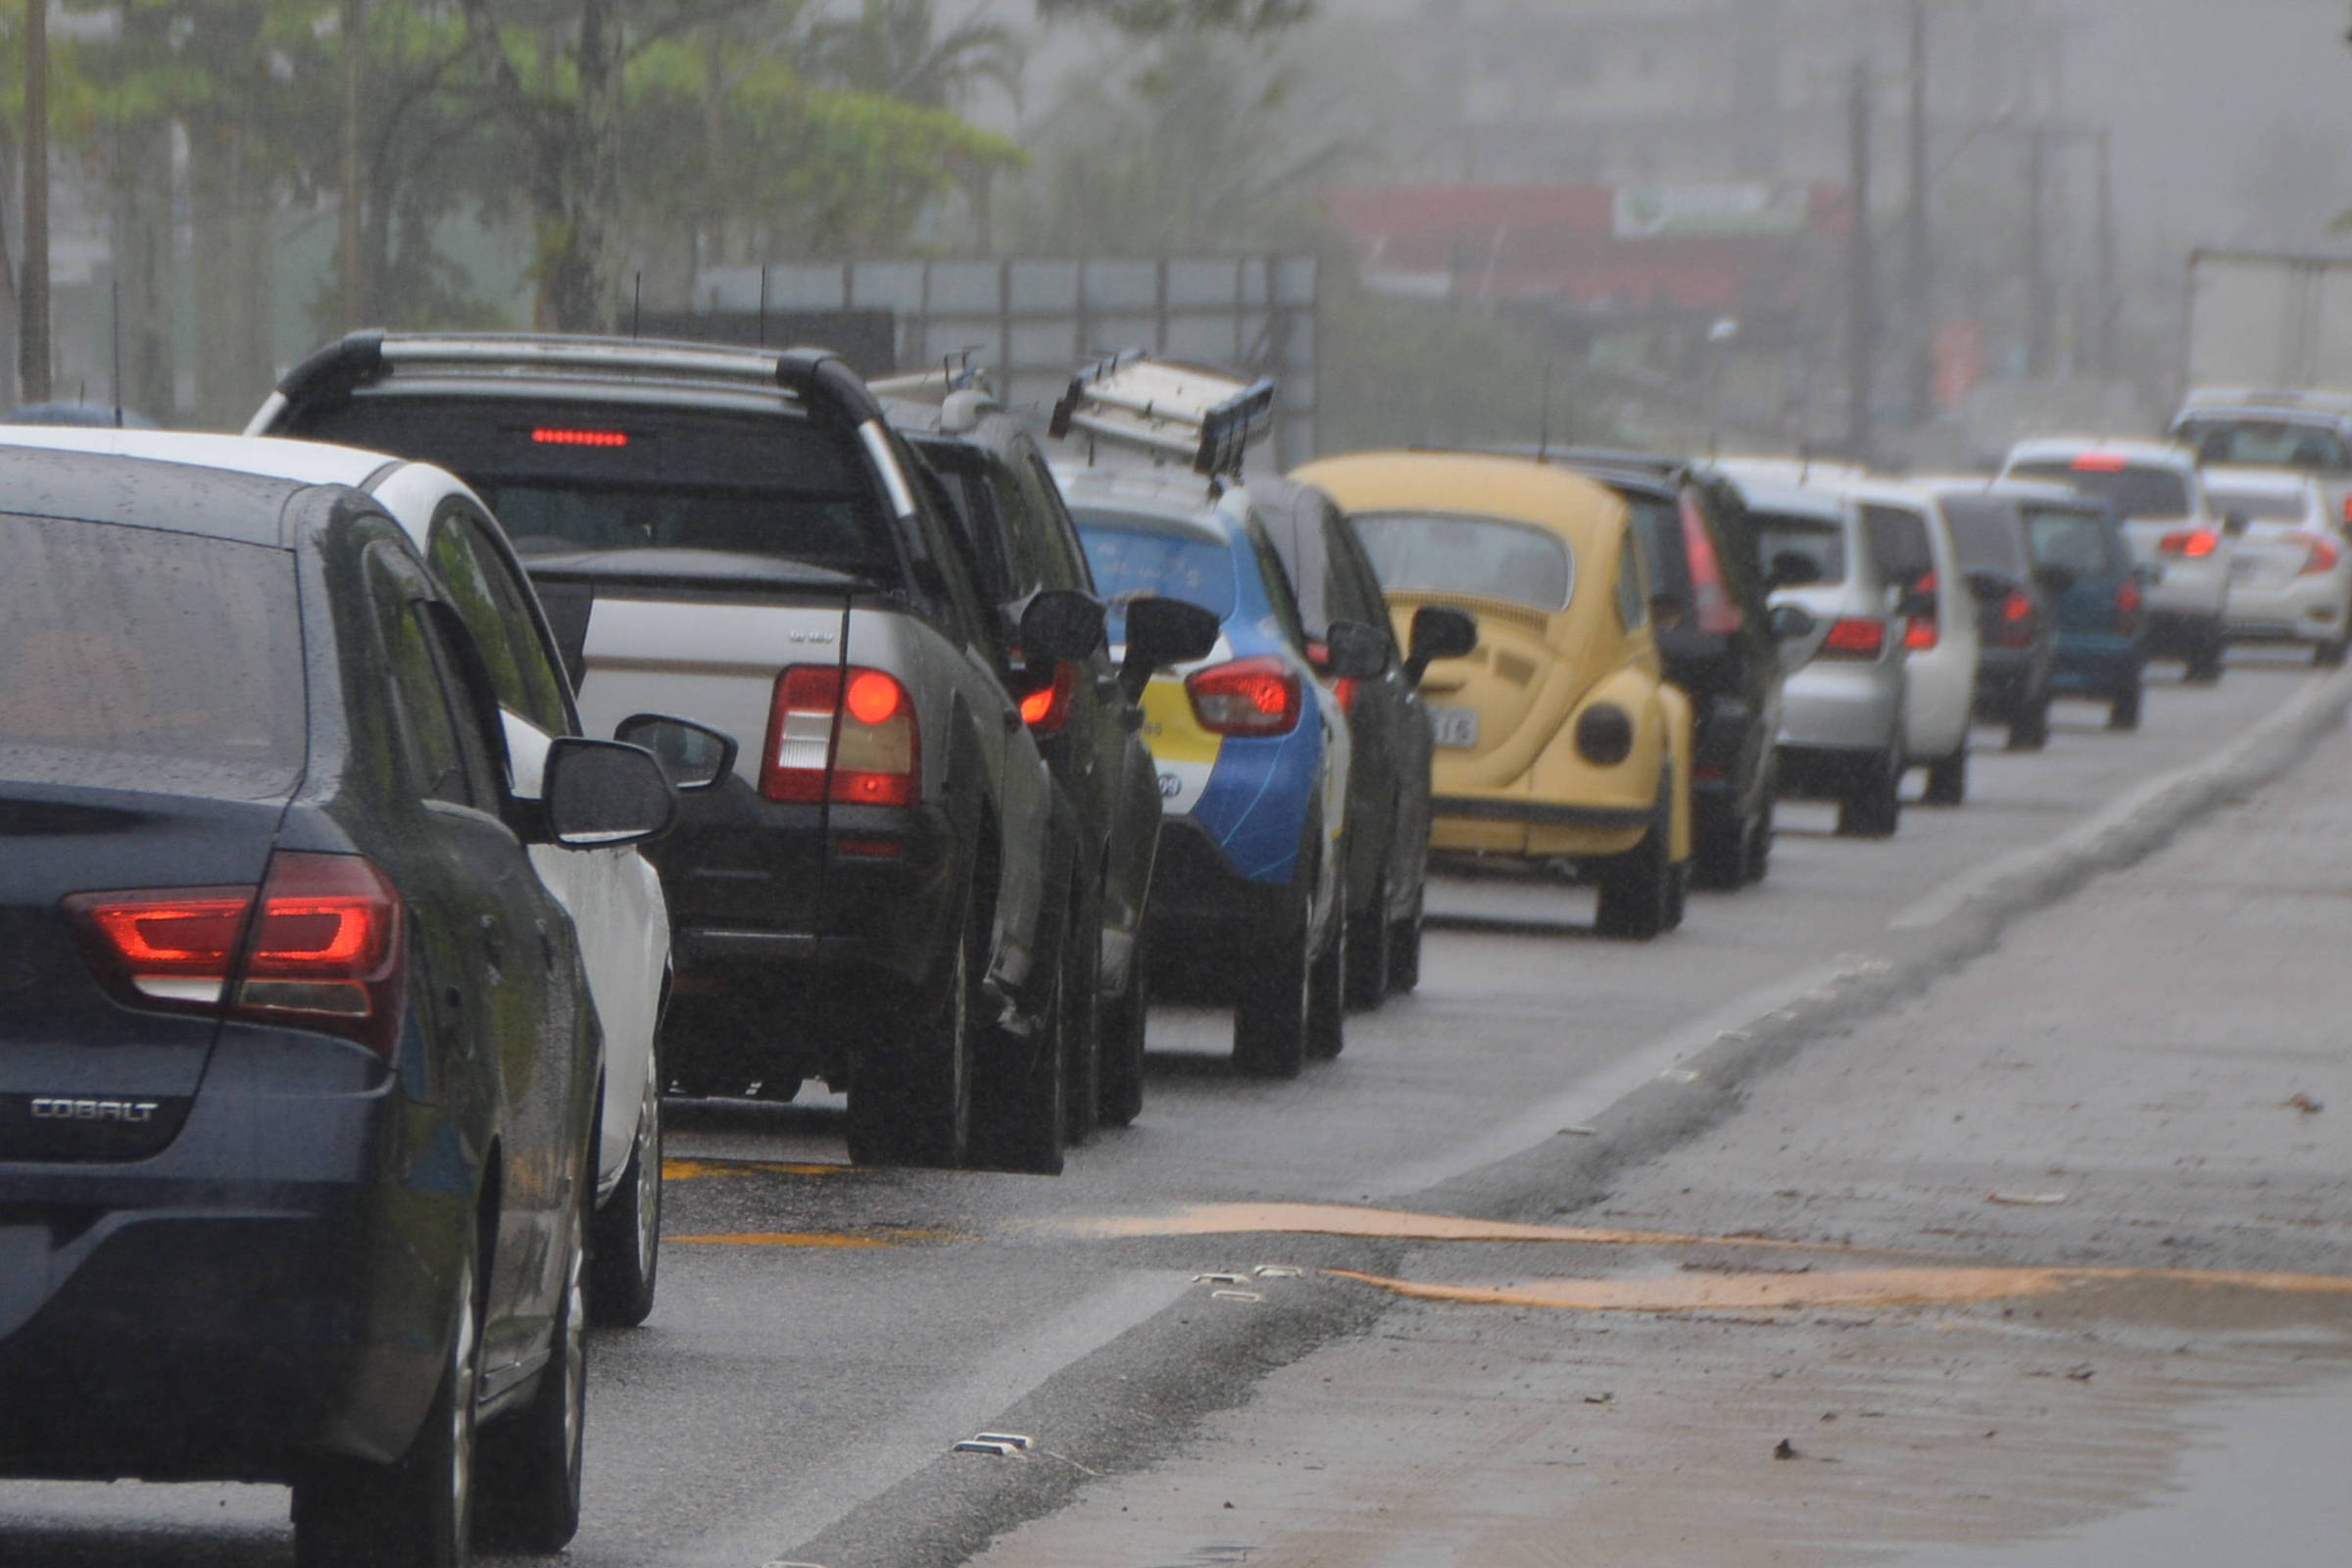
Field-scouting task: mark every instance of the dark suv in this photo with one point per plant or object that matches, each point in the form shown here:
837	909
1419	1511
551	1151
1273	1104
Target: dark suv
878	898
1717	636
2017	632
298	1068
1083	716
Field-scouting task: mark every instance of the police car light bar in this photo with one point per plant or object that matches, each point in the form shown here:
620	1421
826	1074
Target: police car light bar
1168	411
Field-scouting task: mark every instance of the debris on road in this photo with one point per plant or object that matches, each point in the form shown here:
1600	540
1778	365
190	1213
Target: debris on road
2029	1200
1784	1450
2303	1103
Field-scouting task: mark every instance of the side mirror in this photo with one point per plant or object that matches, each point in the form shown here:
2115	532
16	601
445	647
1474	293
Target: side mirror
2235	523
694	757
1162	633
1666	610
2056	581
1354	650
1061	626
1791	568
1790	622
1987	586
1440	632
600	794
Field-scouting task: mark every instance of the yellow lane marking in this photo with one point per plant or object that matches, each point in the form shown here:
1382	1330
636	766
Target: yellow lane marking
1341	1220
687	1170
836	1238
1884	1287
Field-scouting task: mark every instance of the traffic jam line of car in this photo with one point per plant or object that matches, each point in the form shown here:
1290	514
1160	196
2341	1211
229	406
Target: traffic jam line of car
361	969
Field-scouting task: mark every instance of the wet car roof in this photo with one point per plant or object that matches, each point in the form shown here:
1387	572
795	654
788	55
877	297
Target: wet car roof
178	498
1553	496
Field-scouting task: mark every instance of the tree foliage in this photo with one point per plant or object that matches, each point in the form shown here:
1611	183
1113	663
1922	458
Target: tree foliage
1154	17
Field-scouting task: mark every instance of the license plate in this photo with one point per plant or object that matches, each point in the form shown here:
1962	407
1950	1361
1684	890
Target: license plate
1456	727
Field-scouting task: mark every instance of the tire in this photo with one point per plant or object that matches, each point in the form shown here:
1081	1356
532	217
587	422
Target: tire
911	1102
2122	713
1021	1106
1637	887
1724	853
530	1466
1083	1022
1872	809
1369	976
1270	1013
624	1238
417	1512
1759	845
1948	779
1678	896
2030	726
2331	654
1404	952
1327	983
1124	1023
2203	666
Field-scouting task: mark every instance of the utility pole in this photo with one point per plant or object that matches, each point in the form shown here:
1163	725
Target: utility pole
33	289
1919	284
2039	312
2110	300
1862	306
352	281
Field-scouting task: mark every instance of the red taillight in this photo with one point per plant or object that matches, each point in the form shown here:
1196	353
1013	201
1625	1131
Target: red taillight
2127	600
1343	690
2348	511
551	436
2322	552
1047	709
2017	626
1259	696
1855	637
323	947
1922	634
1713	609
2194	543
848	735
2100	462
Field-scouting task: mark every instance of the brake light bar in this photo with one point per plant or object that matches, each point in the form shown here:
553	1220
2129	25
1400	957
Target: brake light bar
844	735
2194	543
320	943
1255	696
2101	463
557	436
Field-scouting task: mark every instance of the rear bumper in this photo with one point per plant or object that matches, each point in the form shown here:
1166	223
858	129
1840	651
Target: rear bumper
1202	905
2089	665
1840	707
2006	679
275	1284
2308	611
1827	772
2177	632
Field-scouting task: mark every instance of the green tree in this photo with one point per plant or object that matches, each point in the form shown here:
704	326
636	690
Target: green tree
1248	18
896	48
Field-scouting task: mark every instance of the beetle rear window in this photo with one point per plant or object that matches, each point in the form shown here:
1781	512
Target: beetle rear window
1479	558
143	659
1137	560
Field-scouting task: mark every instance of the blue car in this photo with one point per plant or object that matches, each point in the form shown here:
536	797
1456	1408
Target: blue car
1251	751
2097	592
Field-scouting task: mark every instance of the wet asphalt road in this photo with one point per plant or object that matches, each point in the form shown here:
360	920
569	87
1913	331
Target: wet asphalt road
825	1335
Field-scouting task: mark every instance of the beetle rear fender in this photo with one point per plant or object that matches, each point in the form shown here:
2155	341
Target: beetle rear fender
1679	722
1564	775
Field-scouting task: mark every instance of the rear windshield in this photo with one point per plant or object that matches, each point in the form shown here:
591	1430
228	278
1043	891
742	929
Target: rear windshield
2137	492
1483	558
1899	540
2258	505
566	478
2264	444
1817	539
136	657
1985	534
1658	526
2081	542
1137	560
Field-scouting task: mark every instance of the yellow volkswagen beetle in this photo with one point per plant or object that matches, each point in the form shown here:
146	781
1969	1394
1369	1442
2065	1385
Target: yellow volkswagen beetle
1558	738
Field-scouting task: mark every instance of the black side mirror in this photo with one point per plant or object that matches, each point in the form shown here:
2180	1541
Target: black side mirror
1440	632
1354	650
600	794
1061	626
2235	523
694	757
1793	568
1666	610
1788	622
2056	580
1161	633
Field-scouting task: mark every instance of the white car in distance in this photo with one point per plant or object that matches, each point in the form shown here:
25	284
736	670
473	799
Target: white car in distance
2291	579
613	895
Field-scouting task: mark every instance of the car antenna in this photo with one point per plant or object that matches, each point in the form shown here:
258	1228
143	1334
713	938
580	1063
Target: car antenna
1543	436
117	336
763	305
1804	461
637	309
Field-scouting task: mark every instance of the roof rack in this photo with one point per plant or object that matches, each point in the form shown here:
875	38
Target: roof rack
1168	410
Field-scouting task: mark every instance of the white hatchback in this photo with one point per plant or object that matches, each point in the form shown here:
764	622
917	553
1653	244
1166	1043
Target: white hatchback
2292	578
612	896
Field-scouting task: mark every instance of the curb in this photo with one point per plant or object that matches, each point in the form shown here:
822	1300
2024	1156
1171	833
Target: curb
1951	928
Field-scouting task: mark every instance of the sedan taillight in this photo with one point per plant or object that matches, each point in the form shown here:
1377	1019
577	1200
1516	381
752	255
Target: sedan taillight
2322	554
2019	621
1857	637
1256	696
321	944
2128	601
844	735
2194	543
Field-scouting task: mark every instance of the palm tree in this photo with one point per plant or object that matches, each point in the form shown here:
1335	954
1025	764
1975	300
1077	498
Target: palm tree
896	47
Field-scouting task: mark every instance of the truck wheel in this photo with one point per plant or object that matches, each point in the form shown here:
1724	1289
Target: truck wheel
1873	807
1124	1023
417	1512
1270	1013
911	1102
1083	1020
1327	982
1724	851
2030	726
1021	1106
1404	951
1369	980
625	1239
1637	887
529	1469
2122	713
1948	779
1759	845
2204	664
